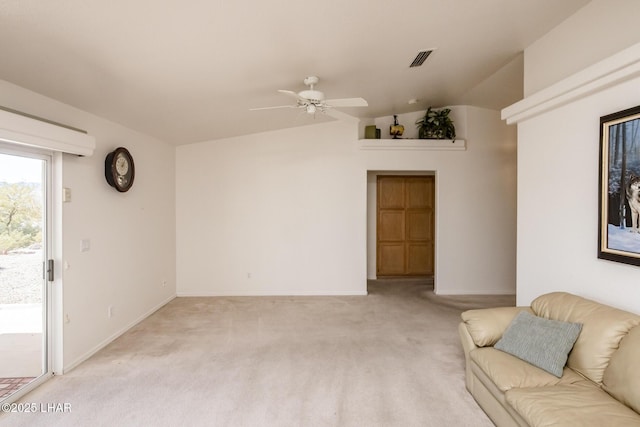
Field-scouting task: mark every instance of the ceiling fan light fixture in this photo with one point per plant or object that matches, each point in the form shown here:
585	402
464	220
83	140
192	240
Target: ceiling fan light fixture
311	109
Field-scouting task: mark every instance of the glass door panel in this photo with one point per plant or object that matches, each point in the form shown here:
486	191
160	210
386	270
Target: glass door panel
23	285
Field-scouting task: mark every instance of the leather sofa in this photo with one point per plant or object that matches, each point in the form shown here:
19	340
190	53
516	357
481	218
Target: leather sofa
600	383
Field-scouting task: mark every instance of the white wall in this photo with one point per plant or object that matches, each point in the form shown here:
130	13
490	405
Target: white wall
132	234
289	209
598	30
558	154
285	208
558	204
475	203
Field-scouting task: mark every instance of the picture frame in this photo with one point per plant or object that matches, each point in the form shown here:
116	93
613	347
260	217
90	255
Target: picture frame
619	192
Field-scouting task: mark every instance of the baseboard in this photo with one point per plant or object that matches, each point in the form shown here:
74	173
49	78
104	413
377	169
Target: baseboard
267	293
462	292
111	338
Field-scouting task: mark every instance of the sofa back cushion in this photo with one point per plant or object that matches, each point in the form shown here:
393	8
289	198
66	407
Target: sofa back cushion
622	376
602	329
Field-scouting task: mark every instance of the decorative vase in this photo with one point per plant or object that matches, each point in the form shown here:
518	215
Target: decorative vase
396	129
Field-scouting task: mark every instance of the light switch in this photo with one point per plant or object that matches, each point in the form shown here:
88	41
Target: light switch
85	245
66	194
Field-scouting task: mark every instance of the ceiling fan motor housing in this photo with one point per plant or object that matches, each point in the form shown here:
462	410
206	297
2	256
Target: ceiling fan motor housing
311	80
314	96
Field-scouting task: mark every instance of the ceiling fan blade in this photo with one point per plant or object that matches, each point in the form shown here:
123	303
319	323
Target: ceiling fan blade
347	102
273	108
292	94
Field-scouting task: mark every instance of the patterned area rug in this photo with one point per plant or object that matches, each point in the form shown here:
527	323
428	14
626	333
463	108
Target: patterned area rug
10	385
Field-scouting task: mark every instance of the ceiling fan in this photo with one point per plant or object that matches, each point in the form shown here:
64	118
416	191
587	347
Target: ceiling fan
312	100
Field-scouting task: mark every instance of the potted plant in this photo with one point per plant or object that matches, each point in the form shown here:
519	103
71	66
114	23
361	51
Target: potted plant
436	124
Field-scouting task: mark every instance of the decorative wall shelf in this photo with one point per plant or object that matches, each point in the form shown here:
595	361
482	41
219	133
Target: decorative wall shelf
412	144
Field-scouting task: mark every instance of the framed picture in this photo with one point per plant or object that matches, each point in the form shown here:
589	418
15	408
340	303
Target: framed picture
619	219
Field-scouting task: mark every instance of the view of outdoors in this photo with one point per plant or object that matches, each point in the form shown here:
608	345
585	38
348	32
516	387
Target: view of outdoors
21	278
20	243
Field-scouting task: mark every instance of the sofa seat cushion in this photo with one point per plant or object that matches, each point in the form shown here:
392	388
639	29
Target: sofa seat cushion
507	371
602	329
570	405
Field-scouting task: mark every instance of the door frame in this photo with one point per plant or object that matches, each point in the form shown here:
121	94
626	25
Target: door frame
52	233
372	177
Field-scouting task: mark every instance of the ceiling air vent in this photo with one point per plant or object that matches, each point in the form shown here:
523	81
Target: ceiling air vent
420	58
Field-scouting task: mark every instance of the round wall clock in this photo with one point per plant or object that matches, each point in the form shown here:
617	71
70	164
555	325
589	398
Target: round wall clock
119	169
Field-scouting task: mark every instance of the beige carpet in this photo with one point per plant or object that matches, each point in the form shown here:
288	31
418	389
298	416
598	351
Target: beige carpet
392	358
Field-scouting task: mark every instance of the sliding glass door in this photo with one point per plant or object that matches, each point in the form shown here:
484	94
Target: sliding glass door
24	281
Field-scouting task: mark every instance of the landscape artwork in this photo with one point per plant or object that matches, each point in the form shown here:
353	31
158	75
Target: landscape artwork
619	216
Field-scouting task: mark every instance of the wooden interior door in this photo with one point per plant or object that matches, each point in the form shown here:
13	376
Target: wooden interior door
405	225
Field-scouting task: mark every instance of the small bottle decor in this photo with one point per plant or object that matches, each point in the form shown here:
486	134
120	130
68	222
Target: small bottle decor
396	129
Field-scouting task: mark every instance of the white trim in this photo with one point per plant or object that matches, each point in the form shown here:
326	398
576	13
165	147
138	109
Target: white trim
412	144
616	69
48	236
463	292
35	133
57	295
117	334
266	293
49	337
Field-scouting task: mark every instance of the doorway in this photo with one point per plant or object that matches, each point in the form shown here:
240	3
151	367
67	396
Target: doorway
405	226
24	286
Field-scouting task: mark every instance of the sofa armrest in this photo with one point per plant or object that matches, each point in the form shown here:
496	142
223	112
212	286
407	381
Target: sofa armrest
465	338
486	326
467	346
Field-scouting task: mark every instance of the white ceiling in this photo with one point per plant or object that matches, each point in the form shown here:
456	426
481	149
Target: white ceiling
186	71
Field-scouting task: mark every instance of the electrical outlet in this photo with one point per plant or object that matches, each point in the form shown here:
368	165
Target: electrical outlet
164	283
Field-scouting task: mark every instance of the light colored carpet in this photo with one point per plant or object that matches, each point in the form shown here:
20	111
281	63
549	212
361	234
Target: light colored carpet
392	358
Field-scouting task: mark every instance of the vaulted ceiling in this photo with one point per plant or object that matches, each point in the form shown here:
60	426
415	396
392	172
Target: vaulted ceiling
186	71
